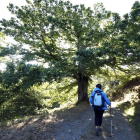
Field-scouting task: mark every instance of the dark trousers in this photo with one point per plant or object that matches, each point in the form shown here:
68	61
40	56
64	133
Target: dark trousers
98	117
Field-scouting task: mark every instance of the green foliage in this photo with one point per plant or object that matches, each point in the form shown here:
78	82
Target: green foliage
132	112
100	43
20	104
36	100
21	76
125	82
128	94
2	37
130	33
81	27
17	99
22	92
2	41
58	94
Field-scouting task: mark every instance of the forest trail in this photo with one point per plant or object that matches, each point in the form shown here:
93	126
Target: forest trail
81	126
75	123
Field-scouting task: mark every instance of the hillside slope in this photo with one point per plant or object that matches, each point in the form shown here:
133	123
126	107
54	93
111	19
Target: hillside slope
129	102
77	122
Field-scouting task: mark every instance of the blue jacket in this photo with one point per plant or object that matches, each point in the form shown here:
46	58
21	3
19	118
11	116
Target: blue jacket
106	100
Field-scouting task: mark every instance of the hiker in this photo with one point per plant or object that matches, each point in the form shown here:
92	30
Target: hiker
99	111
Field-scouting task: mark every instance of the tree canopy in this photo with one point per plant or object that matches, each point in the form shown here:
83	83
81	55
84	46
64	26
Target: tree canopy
73	40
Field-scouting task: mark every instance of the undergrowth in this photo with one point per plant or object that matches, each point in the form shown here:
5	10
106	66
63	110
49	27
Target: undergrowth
129	98
37	100
132	113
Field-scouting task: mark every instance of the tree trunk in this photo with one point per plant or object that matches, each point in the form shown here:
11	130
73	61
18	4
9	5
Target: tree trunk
82	89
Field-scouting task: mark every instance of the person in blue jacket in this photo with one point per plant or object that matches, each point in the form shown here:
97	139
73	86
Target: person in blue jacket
99	112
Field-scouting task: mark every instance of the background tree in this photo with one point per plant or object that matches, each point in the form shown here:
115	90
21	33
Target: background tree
129	38
2	39
92	36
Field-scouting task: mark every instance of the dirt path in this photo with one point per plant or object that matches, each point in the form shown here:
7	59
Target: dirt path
81	127
71	124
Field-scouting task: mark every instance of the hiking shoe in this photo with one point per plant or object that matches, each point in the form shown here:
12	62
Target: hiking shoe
97	132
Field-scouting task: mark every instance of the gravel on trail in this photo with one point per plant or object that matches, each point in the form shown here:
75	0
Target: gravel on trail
81	126
76	123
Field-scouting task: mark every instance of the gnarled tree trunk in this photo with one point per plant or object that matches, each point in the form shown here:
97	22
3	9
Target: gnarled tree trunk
82	89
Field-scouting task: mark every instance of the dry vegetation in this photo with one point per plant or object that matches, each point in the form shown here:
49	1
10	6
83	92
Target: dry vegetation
129	102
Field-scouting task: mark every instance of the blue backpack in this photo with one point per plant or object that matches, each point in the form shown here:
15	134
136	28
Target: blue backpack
98	101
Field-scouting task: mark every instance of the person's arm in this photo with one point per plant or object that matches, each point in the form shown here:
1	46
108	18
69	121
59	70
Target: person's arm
91	98
106	99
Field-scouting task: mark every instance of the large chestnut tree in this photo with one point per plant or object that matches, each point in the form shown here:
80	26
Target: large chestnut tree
74	41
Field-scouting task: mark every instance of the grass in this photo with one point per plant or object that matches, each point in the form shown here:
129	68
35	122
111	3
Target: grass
132	113
38	117
129	102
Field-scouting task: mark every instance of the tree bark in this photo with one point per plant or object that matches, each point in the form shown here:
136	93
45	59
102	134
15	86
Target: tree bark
82	89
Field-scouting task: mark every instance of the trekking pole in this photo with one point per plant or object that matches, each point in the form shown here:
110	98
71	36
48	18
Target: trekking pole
111	134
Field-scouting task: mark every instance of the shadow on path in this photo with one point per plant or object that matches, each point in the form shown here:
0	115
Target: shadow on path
120	127
76	123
